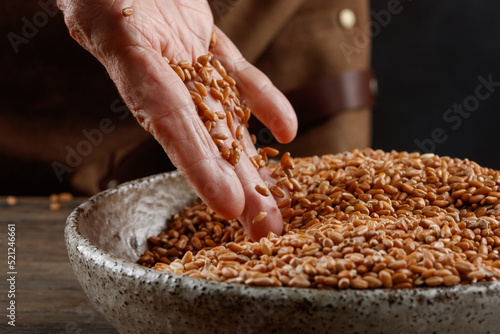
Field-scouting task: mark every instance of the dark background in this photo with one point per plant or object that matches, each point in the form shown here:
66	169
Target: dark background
428	58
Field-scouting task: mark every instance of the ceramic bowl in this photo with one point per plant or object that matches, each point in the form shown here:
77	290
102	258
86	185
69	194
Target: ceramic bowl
108	233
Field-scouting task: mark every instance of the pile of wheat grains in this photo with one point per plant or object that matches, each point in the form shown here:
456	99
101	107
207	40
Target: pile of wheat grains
361	219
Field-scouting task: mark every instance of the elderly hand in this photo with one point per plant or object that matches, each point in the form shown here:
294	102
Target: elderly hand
132	48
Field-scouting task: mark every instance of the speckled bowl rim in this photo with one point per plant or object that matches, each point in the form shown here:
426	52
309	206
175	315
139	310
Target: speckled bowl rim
84	247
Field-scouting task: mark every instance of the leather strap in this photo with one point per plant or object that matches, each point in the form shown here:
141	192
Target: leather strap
352	89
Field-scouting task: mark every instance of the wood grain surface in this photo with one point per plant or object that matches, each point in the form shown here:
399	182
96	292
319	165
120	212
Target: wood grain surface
48	297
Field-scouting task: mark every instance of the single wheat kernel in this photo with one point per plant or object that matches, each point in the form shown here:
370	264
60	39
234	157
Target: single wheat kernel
11	200
254	139
229	118
270	151
277	191
260	217
216	93
202	90
240	131
213	39
264	191
127	11
221	136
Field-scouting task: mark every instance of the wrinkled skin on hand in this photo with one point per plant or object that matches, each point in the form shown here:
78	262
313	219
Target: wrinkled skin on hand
132	50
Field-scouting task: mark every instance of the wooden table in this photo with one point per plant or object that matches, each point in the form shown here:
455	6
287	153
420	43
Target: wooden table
48	297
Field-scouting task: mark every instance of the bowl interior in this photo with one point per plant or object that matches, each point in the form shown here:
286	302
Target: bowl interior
122	219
